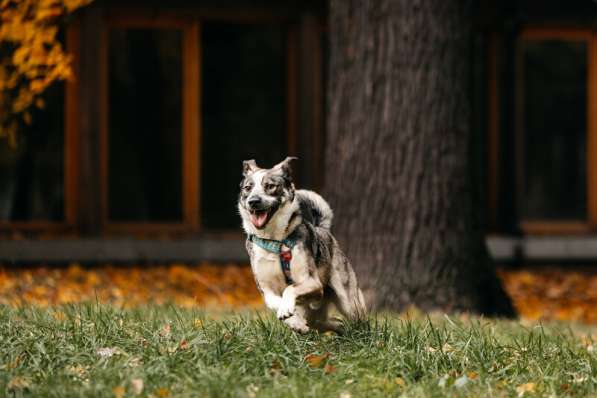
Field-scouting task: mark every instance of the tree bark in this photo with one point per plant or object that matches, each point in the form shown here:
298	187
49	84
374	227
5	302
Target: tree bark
398	160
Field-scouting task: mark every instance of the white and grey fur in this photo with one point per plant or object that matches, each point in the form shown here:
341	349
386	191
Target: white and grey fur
322	275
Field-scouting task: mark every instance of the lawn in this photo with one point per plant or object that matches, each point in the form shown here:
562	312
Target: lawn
166	351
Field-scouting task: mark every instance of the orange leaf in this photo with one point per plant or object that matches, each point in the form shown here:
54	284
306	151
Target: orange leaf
118	391
315	361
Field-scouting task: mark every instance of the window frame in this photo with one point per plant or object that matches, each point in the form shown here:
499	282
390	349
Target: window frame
564	227
70	144
190	23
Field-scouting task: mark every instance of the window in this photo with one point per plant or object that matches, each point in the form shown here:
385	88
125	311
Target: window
148	125
145	125
185	101
554	144
556	159
38	177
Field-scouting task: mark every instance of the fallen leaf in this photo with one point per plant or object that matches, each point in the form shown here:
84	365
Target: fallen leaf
59	315
165	330
118	391
349	381
252	390
275	368
315	361
524	388
565	386
443	381
19	383
197	323
578	378
329	368
400	381
137	386
107	352
184	345
162	392
472	375
461	381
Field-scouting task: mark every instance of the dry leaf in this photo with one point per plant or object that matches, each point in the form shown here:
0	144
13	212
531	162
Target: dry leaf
107	352
18	383
184	345
472	375
197	323
59	315
461	381
252	390
162	392
400	381
165	331
447	348
315	361
275	368
524	388
118	392
329	368
137	386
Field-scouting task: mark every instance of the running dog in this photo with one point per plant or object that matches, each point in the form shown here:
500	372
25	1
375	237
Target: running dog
298	265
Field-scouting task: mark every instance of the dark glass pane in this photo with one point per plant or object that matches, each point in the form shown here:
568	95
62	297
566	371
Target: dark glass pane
243	108
145	150
555	130
32	174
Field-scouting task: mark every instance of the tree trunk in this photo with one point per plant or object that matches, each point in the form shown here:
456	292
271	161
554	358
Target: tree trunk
398	158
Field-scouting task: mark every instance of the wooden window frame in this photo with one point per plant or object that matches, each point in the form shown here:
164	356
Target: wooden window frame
190	24
71	142
555	227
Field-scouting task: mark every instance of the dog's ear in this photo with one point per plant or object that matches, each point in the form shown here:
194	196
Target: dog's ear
284	166
249	167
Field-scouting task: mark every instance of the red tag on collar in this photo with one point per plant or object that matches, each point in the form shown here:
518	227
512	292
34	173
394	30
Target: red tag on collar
286	256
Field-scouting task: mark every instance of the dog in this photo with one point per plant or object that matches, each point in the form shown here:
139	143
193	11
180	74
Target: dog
298	265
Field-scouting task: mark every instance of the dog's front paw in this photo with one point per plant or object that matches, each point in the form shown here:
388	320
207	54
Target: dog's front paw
286	309
297	324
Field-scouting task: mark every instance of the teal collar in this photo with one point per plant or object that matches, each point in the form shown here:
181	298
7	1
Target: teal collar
271	245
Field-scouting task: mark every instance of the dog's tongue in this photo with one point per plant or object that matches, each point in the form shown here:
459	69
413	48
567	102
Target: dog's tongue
259	218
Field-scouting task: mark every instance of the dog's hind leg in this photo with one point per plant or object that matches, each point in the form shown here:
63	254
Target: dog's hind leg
348	297
320	319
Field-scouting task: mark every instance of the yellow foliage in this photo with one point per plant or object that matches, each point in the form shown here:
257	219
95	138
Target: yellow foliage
31	57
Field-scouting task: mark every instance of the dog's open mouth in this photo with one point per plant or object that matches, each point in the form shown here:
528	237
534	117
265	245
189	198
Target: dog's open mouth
259	218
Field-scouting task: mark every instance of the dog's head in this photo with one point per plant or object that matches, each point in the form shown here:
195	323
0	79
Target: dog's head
264	191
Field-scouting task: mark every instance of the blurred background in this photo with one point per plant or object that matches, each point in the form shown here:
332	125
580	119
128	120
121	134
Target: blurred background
125	181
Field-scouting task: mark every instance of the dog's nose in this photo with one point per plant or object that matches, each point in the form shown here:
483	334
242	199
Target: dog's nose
254	201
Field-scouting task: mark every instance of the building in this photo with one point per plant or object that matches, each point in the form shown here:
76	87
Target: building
139	158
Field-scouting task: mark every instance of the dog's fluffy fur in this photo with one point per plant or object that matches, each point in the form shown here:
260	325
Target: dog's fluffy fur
322	276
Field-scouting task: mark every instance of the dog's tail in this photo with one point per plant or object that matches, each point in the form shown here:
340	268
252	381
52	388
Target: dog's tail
315	208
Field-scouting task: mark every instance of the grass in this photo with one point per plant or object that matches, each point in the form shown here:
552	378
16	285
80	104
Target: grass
95	351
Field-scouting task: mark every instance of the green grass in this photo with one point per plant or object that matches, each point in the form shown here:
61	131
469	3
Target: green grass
54	352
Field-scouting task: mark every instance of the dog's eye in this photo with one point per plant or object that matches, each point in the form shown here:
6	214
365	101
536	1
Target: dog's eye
247	188
270	187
